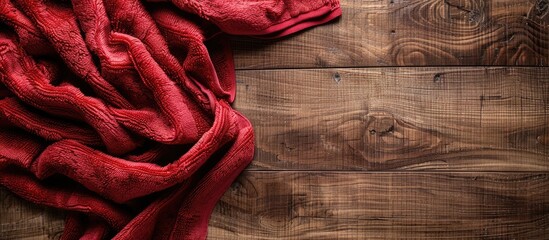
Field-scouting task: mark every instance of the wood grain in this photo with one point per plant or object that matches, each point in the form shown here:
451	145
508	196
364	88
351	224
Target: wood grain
25	221
460	119
457	152
411	205
413	33
353	205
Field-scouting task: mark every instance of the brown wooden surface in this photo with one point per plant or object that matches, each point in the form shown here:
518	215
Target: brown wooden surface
355	142
413	33
380	205
22	220
452	118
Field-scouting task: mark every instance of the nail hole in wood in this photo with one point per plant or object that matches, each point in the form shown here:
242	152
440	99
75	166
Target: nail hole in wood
337	77
437	78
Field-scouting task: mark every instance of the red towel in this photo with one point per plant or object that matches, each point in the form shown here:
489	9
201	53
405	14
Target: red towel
119	111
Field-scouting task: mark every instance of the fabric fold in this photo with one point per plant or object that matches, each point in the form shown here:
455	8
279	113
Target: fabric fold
119	111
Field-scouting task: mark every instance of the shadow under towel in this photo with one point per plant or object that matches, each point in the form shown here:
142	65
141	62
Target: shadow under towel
118	111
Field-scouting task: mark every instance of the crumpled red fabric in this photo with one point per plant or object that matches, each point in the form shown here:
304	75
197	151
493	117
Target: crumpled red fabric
118	111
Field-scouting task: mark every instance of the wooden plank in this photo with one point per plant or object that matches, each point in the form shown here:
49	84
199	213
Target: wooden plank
459	119
412	205
412	33
22	220
351	205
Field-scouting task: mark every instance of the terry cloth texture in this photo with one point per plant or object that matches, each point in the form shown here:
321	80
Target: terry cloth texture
118	111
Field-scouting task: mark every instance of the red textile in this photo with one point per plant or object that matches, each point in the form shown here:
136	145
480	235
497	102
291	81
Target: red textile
118	111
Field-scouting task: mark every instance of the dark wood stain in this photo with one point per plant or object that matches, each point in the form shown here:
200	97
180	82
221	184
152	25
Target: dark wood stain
423	119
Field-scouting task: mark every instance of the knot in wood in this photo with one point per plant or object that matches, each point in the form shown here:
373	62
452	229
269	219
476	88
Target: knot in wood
542	7
543	139
381	124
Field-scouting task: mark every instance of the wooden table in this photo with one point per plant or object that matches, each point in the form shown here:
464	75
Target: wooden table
404	119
